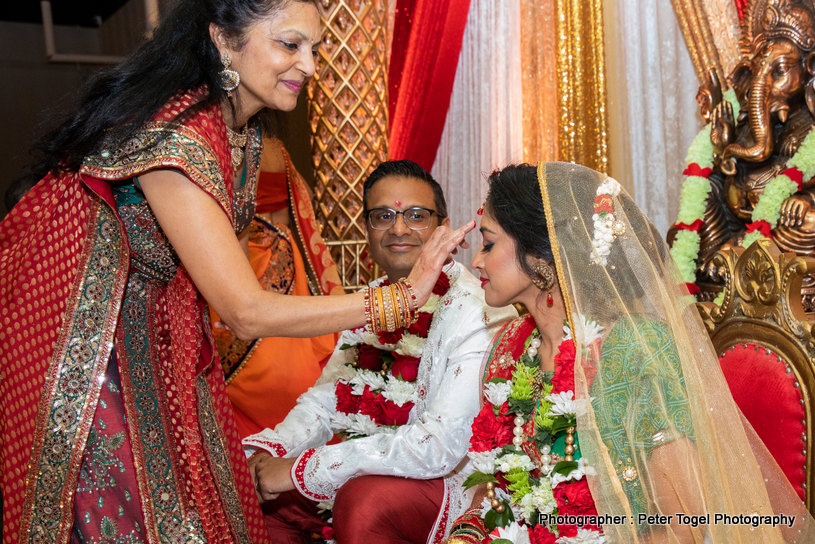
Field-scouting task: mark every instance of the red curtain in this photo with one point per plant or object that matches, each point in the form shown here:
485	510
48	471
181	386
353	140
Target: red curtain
426	44
741	5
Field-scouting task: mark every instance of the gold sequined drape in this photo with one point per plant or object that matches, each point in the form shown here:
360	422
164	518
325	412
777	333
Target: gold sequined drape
582	107
711	31
348	111
540	103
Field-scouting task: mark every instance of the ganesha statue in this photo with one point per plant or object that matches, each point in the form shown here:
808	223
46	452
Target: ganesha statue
757	160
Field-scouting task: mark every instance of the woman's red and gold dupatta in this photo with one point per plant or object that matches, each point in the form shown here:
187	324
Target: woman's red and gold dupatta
71	290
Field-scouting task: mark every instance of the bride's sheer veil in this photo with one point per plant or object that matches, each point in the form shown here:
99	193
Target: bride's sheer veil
647	381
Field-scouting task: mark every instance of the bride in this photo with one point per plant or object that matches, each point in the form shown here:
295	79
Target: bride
605	416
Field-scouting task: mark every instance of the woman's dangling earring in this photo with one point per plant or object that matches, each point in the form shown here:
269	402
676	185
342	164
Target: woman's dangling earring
229	78
544	279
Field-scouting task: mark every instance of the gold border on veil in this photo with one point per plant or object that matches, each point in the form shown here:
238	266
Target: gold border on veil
550	225
567	302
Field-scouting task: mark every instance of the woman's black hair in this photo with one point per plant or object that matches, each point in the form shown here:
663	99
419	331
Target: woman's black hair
180	56
514	201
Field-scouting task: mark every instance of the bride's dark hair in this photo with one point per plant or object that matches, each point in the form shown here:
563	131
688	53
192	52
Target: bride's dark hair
514	200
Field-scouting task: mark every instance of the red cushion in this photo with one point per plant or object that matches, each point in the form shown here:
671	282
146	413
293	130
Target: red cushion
766	394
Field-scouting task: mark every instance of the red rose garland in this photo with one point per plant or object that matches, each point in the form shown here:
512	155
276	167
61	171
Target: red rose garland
384	365
528	481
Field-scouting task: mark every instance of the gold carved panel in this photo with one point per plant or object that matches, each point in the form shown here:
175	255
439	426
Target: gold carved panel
763	305
348	113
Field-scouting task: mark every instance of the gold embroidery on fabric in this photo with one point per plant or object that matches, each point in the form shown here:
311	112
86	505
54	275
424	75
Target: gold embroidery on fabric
215	444
74	381
151	253
550	225
158	145
153	447
243	201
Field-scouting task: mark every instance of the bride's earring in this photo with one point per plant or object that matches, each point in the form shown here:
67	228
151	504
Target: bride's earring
544	279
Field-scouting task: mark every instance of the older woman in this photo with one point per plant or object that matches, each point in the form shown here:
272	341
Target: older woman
115	422
605	415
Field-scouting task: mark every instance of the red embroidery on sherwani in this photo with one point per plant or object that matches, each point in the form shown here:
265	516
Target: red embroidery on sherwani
272	447
298	472
442	520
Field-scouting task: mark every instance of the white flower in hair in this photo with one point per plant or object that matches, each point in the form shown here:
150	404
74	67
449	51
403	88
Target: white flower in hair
497	393
610	186
605	227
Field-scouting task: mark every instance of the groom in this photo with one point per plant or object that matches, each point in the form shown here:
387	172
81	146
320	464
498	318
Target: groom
402	402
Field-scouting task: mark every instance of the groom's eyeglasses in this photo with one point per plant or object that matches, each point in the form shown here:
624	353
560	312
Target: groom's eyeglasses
416	218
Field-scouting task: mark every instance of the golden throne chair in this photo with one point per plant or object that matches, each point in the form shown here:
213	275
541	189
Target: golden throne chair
767	351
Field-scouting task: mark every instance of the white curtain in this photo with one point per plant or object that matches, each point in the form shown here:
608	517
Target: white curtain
483	130
652	103
652	108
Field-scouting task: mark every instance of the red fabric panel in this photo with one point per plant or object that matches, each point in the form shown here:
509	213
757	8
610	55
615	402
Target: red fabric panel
389	509
741	6
368	509
768	398
273	192
402	21
424	56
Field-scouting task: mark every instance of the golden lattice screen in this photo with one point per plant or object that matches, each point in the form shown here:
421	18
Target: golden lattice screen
348	112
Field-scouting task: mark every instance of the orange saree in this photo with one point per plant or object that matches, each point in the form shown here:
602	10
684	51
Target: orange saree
265	376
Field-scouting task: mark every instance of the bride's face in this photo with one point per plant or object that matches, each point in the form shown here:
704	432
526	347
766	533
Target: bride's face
502	278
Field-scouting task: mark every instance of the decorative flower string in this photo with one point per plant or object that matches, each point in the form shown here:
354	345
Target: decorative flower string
767	211
514	456
382	389
696	188
605	227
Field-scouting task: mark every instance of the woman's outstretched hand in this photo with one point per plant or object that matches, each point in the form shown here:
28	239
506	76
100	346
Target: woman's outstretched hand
436	252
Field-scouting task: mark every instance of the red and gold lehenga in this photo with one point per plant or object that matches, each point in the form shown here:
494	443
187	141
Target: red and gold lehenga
97	312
